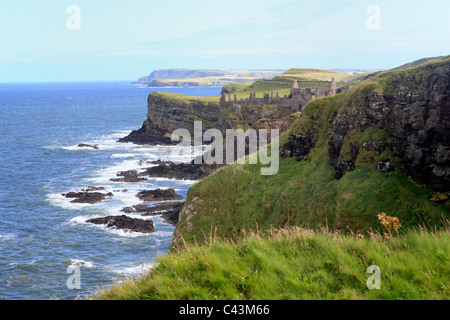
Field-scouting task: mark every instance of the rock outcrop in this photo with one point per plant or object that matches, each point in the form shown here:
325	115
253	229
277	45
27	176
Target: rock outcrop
170	211
83	145
87	195
159	195
165	115
125	223
180	171
128	176
396	118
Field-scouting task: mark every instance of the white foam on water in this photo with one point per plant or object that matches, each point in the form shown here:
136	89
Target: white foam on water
83	219
124	155
132	269
104	142
161	234
59	200
103	175
81	263
9	236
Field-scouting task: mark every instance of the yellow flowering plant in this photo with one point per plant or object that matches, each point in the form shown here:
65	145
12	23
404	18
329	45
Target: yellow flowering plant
391	224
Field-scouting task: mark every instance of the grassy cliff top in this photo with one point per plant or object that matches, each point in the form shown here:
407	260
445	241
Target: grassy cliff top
298	264
186	98
314	75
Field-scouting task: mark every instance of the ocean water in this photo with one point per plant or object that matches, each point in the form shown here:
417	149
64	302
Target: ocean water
41	232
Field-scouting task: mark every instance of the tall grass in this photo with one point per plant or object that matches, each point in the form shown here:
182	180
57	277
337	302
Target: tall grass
296	263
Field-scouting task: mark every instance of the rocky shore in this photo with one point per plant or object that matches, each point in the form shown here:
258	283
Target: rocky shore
168	205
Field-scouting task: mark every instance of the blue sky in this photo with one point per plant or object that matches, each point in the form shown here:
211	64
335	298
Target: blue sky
122	40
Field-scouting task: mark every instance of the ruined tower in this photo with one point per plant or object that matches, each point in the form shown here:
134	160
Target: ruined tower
333	88
295	91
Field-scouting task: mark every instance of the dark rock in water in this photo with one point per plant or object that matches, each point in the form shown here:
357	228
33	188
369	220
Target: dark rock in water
87	197
180	171
90	189
83	145
170	211
125	223
142	137
159	195
128	176
128	210
157	209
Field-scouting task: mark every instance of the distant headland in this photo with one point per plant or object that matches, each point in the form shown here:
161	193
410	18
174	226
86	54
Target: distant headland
203	77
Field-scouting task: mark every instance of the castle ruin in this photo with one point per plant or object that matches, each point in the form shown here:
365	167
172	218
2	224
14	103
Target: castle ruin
297	100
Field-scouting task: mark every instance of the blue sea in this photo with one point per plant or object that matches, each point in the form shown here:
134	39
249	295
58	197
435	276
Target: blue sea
42	233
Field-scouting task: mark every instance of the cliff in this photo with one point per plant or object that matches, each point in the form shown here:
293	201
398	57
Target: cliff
382	146
399	118
166	114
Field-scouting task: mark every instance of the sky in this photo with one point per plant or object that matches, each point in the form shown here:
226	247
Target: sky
80	40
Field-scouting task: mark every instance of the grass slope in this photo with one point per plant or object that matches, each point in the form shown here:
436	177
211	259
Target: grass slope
314	75
298	264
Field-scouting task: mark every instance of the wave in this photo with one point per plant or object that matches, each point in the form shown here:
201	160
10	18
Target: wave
124	155
81	263
9	236
131	269
108	142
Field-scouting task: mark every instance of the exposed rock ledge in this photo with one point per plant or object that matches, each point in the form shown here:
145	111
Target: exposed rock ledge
125	223
159	195
170	211
83	145
87	196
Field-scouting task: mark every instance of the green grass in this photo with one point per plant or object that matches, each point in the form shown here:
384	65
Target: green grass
186	98
314	75
303	194
298	264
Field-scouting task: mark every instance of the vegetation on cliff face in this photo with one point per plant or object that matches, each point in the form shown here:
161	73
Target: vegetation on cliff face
353	164
295	263
307	194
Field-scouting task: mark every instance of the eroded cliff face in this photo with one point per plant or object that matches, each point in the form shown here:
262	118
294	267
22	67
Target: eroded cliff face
165	115
399	118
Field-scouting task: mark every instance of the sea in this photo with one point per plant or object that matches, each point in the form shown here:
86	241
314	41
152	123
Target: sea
43	235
